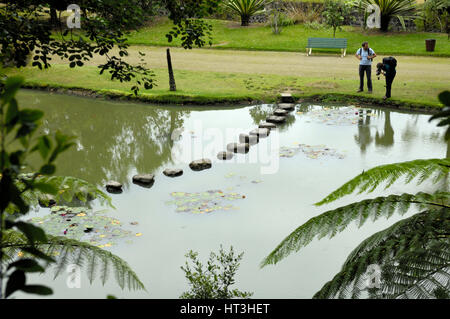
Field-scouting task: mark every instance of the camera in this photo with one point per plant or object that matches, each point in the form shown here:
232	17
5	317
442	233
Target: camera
379	67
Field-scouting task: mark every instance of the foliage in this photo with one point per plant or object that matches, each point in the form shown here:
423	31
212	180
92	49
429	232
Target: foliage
310	13
70	189
335	221
390	173
412	255
335	13
65	251
444	115
414	260
247	8
213	281
401	9
19	192
24	31
18	126
434	15
278	20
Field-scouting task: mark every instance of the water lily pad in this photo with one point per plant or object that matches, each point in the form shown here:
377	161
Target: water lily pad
311	151
83	224
204	202
349	115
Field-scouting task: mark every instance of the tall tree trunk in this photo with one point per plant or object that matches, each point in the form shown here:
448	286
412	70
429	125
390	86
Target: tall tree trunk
245	20
384	23
172	84
53	17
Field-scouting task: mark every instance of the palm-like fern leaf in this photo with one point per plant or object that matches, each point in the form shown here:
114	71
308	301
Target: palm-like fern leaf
332	222
413	255
390	173
69	251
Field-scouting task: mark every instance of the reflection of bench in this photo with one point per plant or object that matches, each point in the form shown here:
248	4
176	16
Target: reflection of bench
327	43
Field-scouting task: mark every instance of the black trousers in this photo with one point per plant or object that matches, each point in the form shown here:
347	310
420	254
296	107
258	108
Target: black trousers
389	80
368	70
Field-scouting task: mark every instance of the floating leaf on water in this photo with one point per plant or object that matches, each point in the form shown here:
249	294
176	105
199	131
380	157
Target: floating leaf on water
204	202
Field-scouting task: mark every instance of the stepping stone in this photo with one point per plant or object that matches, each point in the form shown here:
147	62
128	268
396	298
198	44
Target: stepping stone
276	119
238	147
287	98
280	112
173	172
250	139
267	125
200	165
286	106
47	200
225	155
114	187
144	180
260	132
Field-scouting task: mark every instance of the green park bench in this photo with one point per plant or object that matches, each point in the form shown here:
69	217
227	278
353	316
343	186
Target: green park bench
326	43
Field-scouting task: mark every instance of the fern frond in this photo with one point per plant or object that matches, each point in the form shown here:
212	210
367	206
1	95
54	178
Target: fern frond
390	173
335	221
69	251
413	255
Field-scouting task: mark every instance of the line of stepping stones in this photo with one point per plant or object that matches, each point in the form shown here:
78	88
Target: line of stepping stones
278	117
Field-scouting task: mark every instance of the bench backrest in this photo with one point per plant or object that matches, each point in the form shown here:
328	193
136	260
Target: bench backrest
327	43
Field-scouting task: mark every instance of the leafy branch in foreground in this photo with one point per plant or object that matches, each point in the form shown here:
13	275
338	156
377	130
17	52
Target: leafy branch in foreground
68	189
414	256
67	251
368	181
335	221
213	282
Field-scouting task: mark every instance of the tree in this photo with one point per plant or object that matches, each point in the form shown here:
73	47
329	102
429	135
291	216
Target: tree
402	9
247	8
213	282
335	13
24	31
413	254
20	192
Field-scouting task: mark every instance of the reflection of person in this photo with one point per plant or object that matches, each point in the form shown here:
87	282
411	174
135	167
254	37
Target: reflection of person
387	68
365	55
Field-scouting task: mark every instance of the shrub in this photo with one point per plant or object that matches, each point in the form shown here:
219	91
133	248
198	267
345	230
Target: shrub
247	8
308	14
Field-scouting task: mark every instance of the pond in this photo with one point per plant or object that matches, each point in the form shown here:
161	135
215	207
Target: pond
266	197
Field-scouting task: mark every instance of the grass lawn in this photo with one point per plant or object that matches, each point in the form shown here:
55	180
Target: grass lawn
210	75
229	35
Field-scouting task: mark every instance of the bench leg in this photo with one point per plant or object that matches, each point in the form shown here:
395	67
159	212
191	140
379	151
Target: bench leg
310	49
345	52
307	51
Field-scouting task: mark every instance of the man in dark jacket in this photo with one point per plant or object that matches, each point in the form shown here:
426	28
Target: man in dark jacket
387	68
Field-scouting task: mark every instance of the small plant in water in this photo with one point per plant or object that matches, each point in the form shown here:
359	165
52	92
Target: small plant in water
215	280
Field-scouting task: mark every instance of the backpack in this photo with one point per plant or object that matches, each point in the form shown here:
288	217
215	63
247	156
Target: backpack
390	61
368	52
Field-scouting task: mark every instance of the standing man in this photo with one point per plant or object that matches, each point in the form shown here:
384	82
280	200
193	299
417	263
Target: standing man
365	55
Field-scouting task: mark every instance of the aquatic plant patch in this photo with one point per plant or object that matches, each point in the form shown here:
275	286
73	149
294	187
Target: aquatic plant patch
204	202
311	151
83	224
348	115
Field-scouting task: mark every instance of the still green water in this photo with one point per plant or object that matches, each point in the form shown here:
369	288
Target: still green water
276	194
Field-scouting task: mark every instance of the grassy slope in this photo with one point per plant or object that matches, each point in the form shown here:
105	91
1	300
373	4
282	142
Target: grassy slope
228	35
